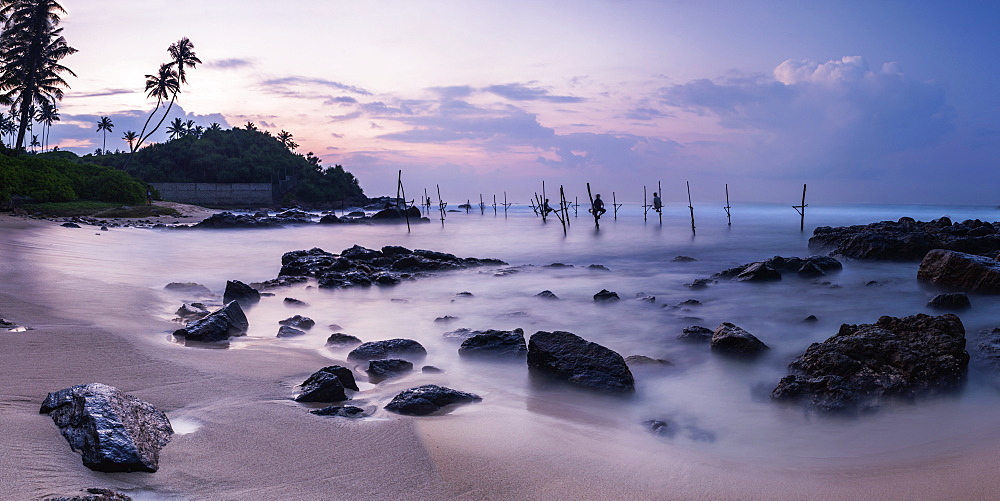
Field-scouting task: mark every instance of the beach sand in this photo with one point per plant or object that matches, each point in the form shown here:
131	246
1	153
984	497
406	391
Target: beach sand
241	437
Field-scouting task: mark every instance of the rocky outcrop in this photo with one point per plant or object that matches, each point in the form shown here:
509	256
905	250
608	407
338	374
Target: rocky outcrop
696	334
379	370
393	214
495	344
95	494
959	270
188	288
772	268
359	266
258	220
347	411
863	365
299	322
732	340
226	322
113	430
406	349
950	301
428	399
341	340
567	357
191	312
606	296
241	292
906	239
547	294
289	331
327	385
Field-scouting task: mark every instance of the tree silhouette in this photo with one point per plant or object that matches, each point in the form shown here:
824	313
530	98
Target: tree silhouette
176	129
46	115
105	125
130	137
31	47
251	126
34	142
7	126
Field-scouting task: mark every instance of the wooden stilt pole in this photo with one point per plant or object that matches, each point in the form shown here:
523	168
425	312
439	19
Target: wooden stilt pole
690	206
441	204
494	204
482	206
659	210
597	216
729	215
615	205
576	206
560	213
505	204
405	209
801	209
645	207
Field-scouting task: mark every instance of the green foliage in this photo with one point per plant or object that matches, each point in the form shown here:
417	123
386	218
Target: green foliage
238	156
58	178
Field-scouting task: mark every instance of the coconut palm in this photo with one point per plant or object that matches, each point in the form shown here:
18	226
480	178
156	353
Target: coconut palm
197	131
286	139
176	129
251	126
32	46
47	114
189	127
34	142
161	86
130	137
7	126
215	127
170	79
105	125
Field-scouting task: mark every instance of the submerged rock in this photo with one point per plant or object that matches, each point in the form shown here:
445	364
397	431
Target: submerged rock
547	294
950	301
226	322
772	268
379	370
428	399
341	340
567	357
606	296
733	340
188	288
347	411
863	365
289	331
961	271
389	348
241	292
95	494
495	344
696	334
113	430
299	322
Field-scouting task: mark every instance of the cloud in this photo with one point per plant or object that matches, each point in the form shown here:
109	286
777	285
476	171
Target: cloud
645	114
102	93
229	64
452	92
341	100
287	85
521	92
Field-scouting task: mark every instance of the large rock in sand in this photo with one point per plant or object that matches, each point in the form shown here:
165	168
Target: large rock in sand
241	292
495	344
428	399
967	272
732	340
862	365
220	325
327	385
565	356
406	349
113	430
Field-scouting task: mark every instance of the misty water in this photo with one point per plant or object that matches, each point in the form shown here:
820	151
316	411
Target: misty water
714	404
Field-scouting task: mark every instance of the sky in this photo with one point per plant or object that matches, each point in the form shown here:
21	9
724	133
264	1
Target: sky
866	102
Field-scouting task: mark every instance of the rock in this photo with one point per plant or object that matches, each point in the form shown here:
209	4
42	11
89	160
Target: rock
289	331
733	340
188	288
464	294
495	344
700	283
863	365
347	411
696	334
758	272
988	347
389	348
950	301
299	322
772	268
428	399
445	319
567	357
194	311
396	214
327	385
95	494
598	267
658	427
69	225
329	219
379	370
906	239
961	271
688	303
547	294
430	369
290	301
683	259
644	361
810	319
341	340
241	292
606	296
226	322
461	333
113	430
641	296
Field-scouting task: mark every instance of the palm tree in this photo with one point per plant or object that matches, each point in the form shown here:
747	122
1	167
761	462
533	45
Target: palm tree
251	126
105	125
130	137
34	142
169	79
161	86
7	126
197	131
189	127
215	126
175	129
32	46
46	115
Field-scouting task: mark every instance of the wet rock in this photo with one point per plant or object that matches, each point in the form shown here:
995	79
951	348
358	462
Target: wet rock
642	296
547	294
863	365
700	283
461	333
962	271
495	344
810	319
906	239
988	347
733	340
464	294
69	225
95	494
606	296
696	334
658	427
347	411
772	268
290	301
188	288
112	430
299	322
389	348
644	361
758	272
329	219
445	319
687	303
428	399
598	267
950	301
567	357
241	292
341	340
289	331
228	321
327	385
396	214
231	220
194	311
379	370
683	259
430	369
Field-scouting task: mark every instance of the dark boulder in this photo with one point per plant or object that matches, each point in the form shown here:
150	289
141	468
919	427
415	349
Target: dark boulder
341	340
771	269
962	271
95	494
428	399
291	301
347	411
289	331
696	334
188	288
389	348
906	239
396	214
113	430
862	365
567	357
226	322
379	370
950	301
733	340
241	292
637	361
547	294
190	312
606	296
70	225
495	344
329	219
327	385
299	322
758	272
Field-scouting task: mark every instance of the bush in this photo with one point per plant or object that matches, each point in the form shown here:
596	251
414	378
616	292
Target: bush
55	179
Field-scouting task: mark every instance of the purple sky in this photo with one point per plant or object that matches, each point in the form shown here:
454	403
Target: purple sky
872	102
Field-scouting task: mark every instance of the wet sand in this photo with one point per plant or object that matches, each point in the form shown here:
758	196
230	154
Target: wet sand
241	437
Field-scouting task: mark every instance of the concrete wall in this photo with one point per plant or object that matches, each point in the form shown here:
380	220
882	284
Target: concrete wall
217	194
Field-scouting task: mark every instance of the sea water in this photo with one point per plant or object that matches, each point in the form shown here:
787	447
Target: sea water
711	403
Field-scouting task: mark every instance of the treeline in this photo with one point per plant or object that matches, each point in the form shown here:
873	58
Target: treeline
55	178
238	156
